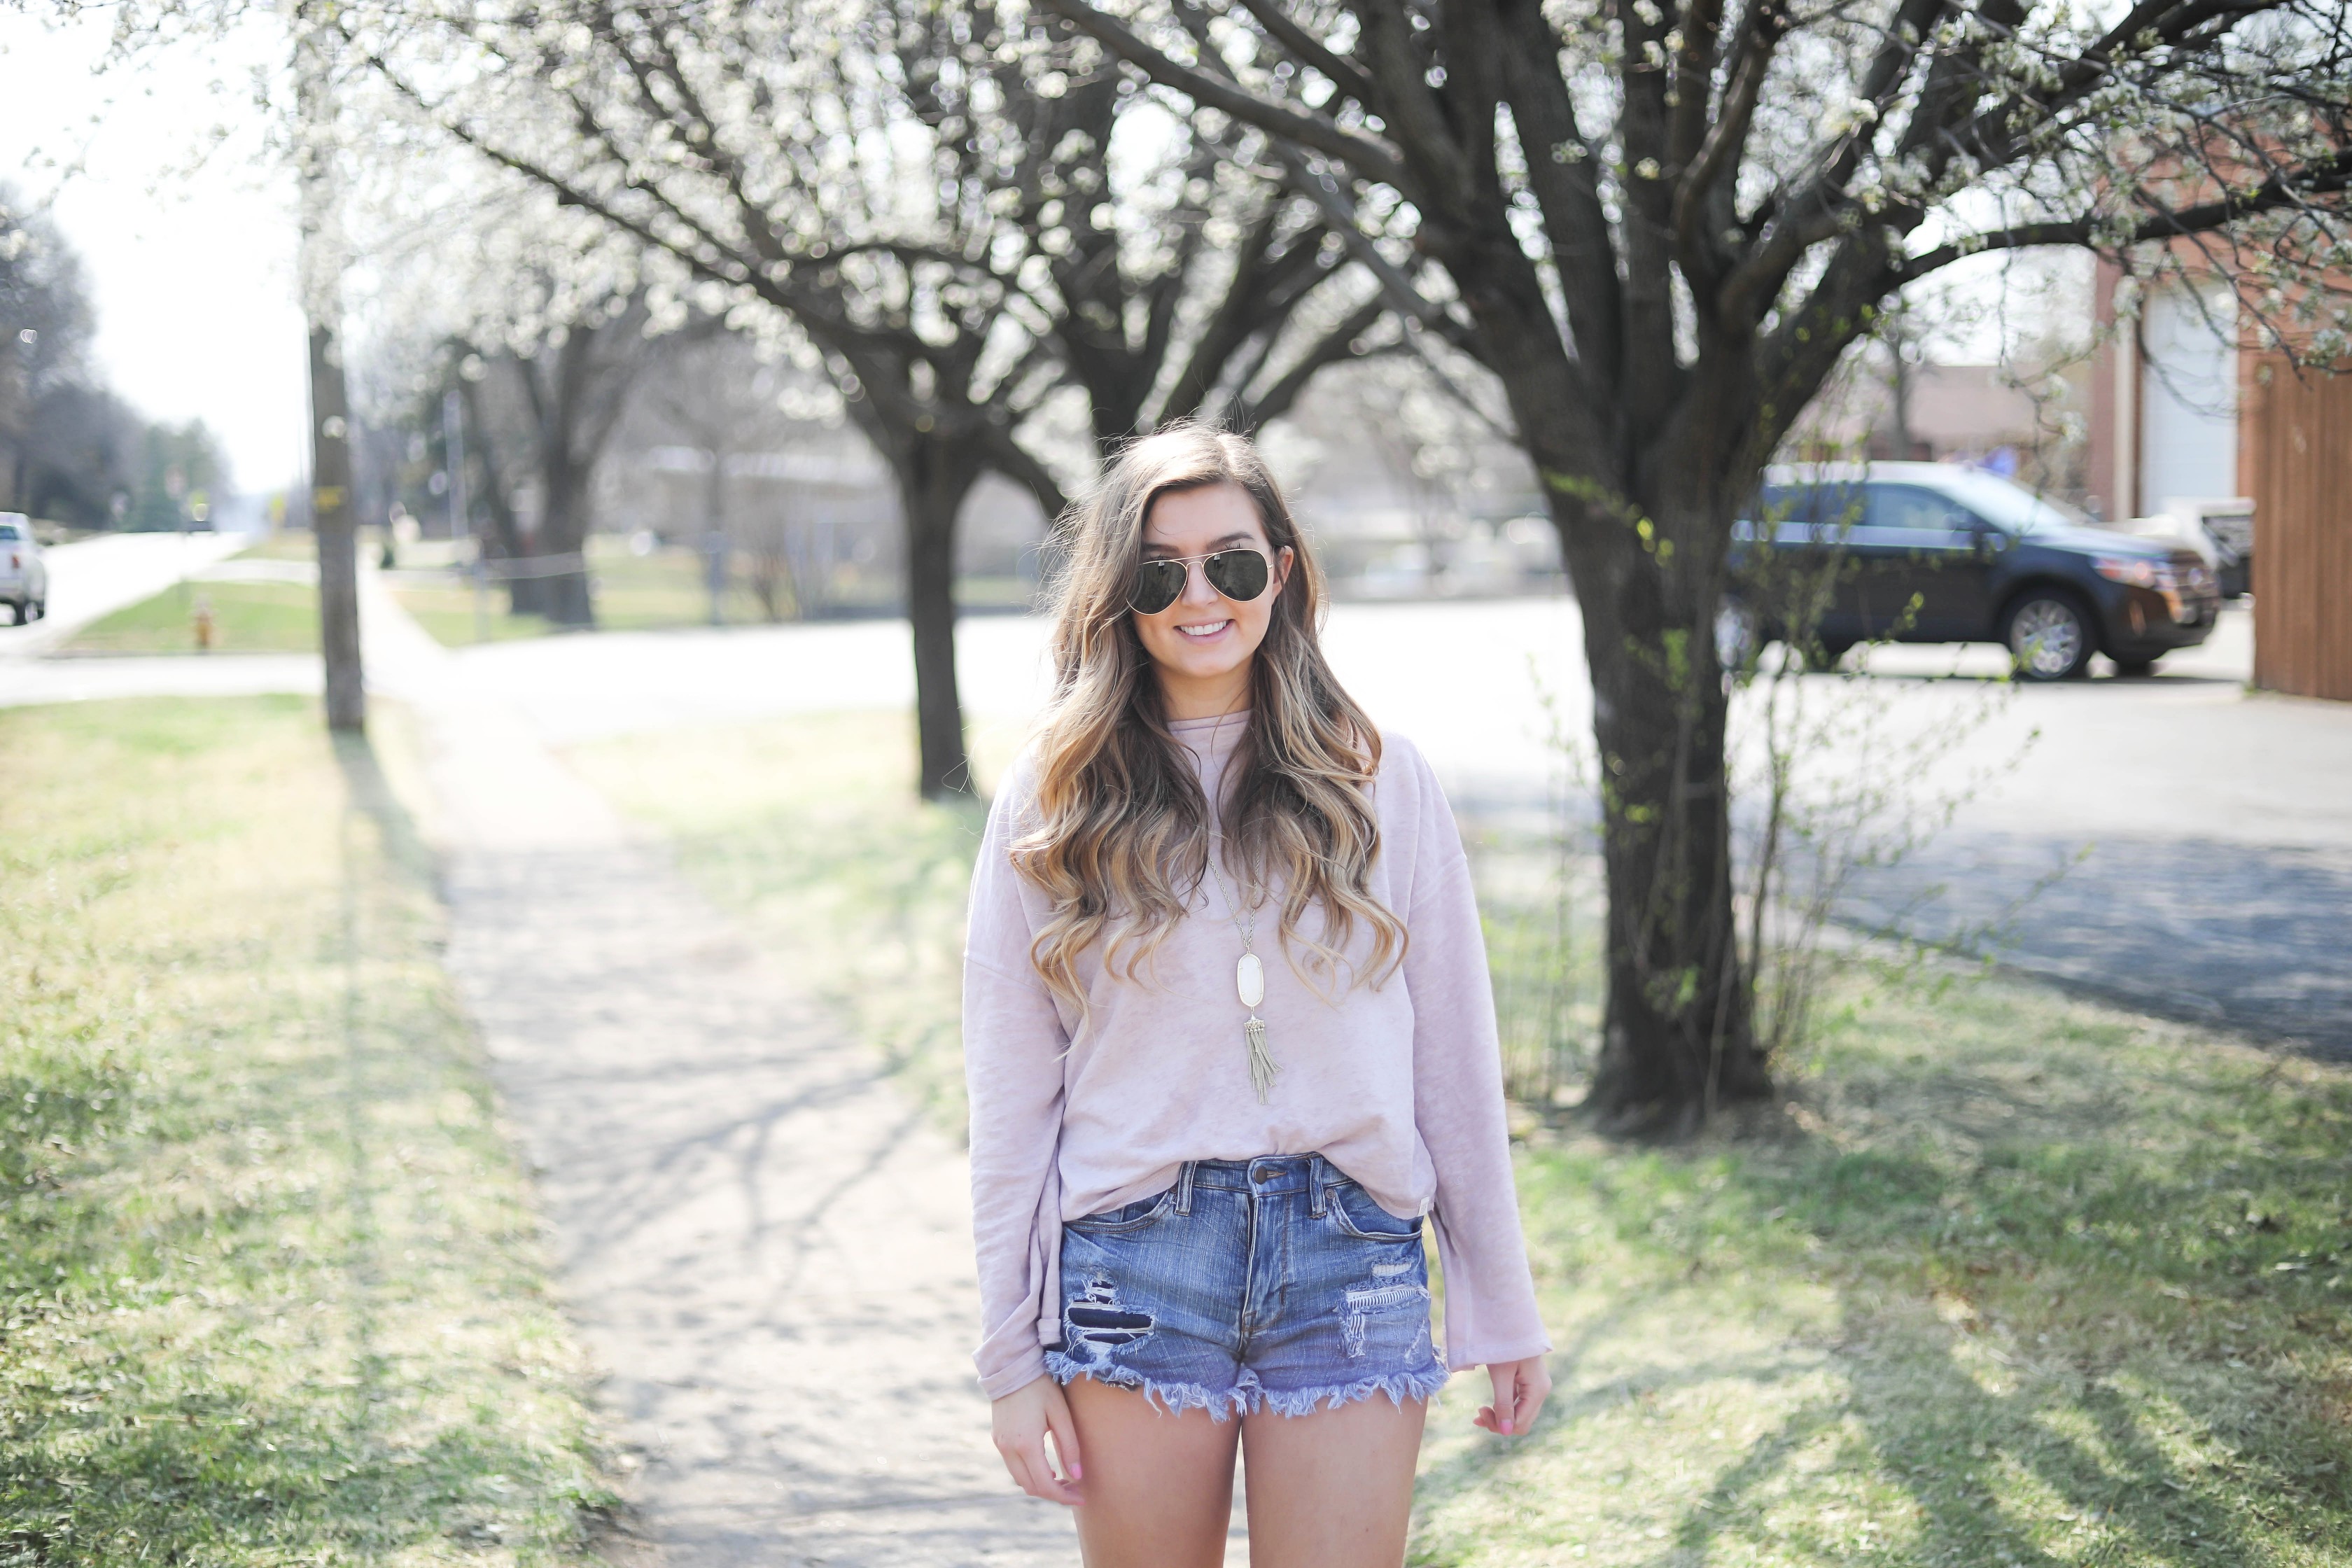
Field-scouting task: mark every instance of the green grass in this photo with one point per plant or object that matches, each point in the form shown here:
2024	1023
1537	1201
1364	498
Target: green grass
289	544
248	617
811	831
633	592
2008	1278
269	1286
660	592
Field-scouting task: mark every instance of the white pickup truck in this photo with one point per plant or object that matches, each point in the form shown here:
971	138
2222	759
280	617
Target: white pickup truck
24	575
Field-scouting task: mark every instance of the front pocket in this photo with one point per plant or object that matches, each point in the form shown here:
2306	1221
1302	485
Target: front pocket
1132	1217
1353	1211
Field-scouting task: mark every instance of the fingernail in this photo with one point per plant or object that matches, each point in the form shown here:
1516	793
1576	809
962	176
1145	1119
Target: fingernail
1507	1428
1075	1473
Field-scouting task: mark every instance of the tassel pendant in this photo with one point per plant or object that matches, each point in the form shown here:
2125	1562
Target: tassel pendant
1261	1060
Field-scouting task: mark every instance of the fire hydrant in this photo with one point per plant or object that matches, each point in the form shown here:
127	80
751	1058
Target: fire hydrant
203	619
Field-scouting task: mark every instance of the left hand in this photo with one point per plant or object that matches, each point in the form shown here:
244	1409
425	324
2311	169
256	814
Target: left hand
1520	1389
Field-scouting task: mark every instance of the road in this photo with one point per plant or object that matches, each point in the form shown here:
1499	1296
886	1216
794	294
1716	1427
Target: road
96	576
2201	837
2204	834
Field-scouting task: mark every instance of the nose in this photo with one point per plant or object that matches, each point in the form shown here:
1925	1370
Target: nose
1199	593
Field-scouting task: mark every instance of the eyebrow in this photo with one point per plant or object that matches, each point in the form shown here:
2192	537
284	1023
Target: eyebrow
1152	548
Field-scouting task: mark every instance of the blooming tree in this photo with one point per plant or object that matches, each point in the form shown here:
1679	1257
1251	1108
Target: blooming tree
928	199
1661	224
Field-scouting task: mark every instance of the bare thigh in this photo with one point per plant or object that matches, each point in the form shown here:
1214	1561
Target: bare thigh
1159	1489
1333	1490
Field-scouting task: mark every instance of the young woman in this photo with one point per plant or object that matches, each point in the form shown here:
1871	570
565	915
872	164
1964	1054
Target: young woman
1231	1044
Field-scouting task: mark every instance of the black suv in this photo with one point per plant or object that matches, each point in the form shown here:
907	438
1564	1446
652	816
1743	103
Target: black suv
1934	552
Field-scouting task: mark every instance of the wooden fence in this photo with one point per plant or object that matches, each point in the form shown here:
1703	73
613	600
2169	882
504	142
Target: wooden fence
2295	459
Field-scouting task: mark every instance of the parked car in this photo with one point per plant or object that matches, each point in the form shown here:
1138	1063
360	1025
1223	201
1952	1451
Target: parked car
24	575
1932	552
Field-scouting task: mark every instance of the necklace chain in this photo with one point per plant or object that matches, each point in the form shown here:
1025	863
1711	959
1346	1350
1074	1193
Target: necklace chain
1244	923
1249	974
1217	847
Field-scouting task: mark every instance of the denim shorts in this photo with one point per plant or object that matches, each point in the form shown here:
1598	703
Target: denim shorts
1267	1284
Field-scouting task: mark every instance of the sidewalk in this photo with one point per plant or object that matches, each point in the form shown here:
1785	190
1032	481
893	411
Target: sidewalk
763	1243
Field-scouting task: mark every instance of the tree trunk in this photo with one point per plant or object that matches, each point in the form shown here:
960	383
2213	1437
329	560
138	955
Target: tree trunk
563	596
332	531
1677	1035
934	477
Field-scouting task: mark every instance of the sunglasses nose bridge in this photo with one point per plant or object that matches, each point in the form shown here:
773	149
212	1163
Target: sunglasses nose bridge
1198	589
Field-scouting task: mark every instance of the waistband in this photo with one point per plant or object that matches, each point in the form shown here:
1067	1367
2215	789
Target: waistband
1268	1174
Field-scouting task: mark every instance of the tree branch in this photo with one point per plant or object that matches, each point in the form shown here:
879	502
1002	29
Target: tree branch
1307	49
1371	158
2285	188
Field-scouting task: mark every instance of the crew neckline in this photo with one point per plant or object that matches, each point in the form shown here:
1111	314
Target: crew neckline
1237	720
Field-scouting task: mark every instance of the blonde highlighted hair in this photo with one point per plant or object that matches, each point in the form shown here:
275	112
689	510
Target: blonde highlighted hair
1121	837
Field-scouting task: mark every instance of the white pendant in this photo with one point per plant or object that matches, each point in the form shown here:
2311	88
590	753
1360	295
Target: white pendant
1249	979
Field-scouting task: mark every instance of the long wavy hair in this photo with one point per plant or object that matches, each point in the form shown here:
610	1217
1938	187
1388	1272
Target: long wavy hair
1121	836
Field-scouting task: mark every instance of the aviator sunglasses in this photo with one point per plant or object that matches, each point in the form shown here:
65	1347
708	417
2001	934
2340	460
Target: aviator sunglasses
1238	574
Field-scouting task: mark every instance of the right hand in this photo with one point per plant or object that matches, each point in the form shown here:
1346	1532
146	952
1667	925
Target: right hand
1020	1422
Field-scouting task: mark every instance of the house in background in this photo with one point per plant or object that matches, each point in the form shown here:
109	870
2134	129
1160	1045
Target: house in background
2189	415
2025	427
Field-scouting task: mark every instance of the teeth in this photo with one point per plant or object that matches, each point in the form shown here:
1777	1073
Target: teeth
1208	631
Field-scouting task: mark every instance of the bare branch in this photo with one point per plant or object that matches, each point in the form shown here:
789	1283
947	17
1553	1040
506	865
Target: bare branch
1370	157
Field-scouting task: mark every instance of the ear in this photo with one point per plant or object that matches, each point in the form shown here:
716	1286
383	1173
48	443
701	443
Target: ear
1282	559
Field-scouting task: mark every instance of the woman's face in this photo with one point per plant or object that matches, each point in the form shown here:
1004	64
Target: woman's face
1201	644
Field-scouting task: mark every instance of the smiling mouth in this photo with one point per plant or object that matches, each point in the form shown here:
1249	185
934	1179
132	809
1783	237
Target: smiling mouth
1204	630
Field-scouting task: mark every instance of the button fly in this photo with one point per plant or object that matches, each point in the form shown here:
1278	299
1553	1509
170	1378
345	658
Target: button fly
1261	1174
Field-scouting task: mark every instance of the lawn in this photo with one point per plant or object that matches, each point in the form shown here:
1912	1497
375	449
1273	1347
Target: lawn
269	1276
633	592
248	617
2008	1278
664	590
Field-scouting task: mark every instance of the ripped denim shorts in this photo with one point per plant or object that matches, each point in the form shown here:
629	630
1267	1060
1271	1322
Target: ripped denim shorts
1267	1284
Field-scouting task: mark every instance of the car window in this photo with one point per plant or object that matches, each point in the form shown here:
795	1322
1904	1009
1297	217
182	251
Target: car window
2010	506
8	532
1917	507
1837	505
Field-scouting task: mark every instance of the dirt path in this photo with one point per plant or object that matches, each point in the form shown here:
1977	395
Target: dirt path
762	1243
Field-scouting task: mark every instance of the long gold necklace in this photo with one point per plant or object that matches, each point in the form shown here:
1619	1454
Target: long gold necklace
1249	973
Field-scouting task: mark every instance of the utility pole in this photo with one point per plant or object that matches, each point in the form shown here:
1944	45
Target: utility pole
331	523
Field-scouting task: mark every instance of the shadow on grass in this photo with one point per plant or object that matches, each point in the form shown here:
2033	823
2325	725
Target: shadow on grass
273	1298
2020	1295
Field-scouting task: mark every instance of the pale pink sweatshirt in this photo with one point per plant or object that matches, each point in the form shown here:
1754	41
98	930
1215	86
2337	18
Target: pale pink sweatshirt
1399	1086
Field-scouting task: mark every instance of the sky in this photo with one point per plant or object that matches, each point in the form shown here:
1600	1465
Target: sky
159	176
159	173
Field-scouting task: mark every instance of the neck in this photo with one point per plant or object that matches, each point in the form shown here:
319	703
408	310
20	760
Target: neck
1185	696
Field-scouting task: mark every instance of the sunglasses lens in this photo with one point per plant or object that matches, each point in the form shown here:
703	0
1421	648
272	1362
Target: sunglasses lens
1156	584
1238	574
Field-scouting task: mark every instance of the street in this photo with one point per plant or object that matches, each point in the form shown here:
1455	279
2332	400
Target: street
94	577
2176	843
2218	876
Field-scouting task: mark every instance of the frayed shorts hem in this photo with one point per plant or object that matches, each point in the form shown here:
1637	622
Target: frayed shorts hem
1247	1397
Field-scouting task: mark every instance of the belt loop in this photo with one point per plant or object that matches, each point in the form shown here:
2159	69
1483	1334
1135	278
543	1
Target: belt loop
1184	1189
1315	1179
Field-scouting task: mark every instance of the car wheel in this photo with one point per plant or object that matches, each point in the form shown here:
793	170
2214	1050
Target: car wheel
40	609
2134	668
20	611
2048	633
